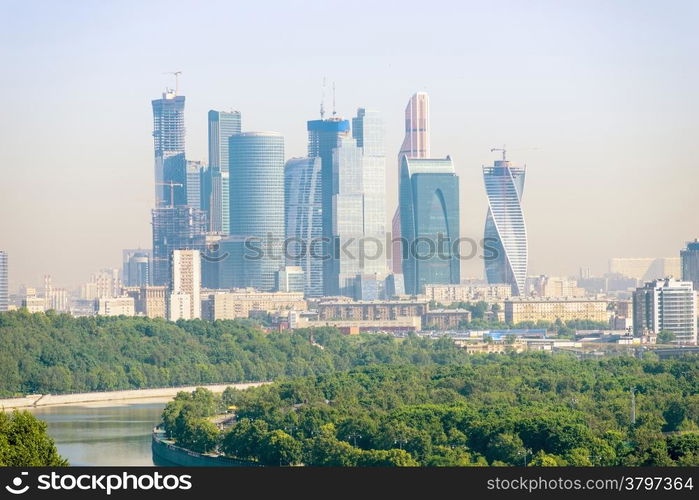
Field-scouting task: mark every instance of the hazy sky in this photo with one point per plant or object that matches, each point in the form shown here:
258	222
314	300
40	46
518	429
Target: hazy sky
608	93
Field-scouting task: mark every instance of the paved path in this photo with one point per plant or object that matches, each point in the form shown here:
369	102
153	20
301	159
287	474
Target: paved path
37	400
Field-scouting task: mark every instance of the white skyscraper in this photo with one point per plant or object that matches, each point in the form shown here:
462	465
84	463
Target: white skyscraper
186	280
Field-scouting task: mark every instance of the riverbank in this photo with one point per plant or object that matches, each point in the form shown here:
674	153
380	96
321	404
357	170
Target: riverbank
42	400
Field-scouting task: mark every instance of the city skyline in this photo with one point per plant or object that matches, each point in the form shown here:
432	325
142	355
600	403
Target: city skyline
619	145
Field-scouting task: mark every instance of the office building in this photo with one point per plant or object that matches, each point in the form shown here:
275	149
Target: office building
303	213
690	263
186	280
359	211
195	172
429	205
169	142
416	144
4	282
323	136
257	203
174	228
290	279
222	125
135	270
505	231
645	268
519	309
666	304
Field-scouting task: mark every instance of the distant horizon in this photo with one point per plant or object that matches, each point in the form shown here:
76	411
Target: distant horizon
596	98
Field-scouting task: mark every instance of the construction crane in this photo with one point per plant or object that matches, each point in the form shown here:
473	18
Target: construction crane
177	79
504	151
172	189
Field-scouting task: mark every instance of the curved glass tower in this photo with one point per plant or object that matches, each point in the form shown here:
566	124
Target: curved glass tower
505	230
429	215
256	167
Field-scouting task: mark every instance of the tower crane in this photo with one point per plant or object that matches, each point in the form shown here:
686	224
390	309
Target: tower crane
172	189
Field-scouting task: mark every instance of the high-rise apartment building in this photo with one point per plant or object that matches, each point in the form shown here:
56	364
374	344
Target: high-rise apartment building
323	136
690	263
186	280
505	230
666	304
256	163
174	228
429	207
222	125
168	136
4	282
103	284
416	144
303	213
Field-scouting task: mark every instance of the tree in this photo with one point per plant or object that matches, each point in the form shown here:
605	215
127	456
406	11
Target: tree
665	337
25	443
278	448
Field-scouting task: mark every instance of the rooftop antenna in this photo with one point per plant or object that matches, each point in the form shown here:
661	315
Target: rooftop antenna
177	79
322	100
334	110
504	151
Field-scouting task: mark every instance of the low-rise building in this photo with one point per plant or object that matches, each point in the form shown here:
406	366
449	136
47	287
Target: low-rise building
238	303
518	310
115	306
375	310
445	319
448	294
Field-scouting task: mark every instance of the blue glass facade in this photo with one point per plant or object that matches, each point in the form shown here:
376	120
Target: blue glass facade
256	168
323	137
304	220
168	138
429	215
222	125
505	229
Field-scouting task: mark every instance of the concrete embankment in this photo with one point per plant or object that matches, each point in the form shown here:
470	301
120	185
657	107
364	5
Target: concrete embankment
39	400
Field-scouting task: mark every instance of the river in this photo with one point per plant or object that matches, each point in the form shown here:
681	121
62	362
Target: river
107	433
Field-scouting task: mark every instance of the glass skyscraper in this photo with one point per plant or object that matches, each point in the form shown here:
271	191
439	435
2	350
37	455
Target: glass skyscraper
690	263
196	170
168	137
222	125
4	282
136	267
429	213
505	230
174	228
358	205
304	220
324	136
416	144
256	162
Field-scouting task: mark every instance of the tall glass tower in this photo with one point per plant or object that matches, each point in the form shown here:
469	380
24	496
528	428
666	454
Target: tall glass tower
690	263
256	162
168	137
429	213
174	228
324	136
505	230
416	144
4	274
304	220
222	125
